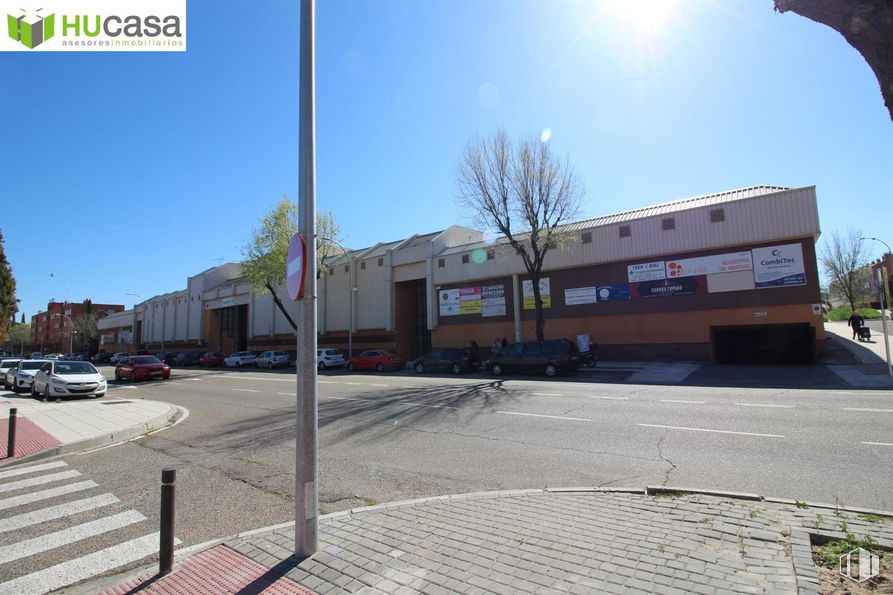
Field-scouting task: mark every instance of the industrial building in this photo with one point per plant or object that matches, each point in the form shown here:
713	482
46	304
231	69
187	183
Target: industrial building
727	277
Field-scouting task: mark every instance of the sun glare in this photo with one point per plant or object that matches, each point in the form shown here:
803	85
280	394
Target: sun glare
644	15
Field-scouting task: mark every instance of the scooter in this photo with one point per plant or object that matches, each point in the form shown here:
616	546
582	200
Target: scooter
589	358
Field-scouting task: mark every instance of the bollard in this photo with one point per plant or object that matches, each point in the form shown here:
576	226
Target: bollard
166	553
11	435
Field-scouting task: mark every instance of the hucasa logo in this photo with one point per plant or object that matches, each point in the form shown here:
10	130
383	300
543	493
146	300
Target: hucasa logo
30	30
114	26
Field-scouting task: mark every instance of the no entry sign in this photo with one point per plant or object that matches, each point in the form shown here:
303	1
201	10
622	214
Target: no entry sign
294	267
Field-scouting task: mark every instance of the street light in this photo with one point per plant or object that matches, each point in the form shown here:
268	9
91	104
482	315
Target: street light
351	290
70	333
885	294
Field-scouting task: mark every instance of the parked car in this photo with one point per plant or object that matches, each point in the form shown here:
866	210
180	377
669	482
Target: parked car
189	358
212	360
140	352
20	376
118	356
54	356
455	360
102	358
329	358
167	357
377	359
5	365
271	359
544	357
68	379
36	355
141	367
239	359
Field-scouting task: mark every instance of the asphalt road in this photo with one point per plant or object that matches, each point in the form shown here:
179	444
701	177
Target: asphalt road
389	436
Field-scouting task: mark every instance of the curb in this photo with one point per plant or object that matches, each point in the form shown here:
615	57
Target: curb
156	423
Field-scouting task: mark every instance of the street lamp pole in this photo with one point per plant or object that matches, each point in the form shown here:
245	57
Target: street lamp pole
70	334
885	297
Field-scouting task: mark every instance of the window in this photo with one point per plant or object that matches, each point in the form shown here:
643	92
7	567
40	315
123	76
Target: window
464	259
586	237
441	263
491	254
668	223
363	266
347	268
512	350
717	215
534	349
380	261
625	231
331	271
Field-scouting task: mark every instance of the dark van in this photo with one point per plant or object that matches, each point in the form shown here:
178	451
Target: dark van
536	357
455	360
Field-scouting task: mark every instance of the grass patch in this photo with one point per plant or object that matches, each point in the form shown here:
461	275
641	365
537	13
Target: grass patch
873	518
842	314
828	554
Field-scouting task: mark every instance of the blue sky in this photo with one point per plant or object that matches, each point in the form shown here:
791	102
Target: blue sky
125	173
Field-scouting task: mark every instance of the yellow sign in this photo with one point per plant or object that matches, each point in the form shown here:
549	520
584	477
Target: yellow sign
529	303
470	307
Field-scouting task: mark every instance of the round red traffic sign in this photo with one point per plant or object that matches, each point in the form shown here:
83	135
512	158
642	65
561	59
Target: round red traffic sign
294	267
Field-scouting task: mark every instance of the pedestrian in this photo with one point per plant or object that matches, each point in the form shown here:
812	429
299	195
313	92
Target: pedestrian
504	343
474	350
495	347
855	321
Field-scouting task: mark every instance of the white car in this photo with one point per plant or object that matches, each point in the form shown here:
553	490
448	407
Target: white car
239	359
117	357
5	364
329	358
20	376
68	379
271	359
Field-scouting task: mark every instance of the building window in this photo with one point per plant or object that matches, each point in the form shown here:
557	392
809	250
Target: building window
347	268
363	266
464	259
625	231
380	261
717	215
491	254
668	224
441	263
586	237
331	271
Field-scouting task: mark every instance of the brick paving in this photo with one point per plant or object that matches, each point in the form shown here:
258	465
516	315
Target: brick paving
30	438
538	541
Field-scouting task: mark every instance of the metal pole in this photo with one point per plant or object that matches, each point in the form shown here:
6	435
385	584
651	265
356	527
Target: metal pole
306	486
11	434
349	315
885	296
166	553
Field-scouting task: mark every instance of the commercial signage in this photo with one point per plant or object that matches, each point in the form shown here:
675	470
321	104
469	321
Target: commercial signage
709	265
778	266
649	271
229	301
493	300
449	302
125	337
668	287
470	300
580	295
545	294
613	293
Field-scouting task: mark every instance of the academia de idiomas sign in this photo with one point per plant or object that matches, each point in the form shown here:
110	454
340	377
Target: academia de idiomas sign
94	26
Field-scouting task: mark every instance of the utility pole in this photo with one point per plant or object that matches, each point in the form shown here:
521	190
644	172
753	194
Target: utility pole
883	280
306	480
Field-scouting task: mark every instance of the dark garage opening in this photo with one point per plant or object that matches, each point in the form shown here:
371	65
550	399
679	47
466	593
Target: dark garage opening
764	344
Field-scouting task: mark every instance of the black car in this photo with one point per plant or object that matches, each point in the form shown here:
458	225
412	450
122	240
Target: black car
187	359
538	357
102	358
447	359
167	357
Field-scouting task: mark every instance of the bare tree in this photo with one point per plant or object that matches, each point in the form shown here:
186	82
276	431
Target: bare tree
867	25
845	262
523	191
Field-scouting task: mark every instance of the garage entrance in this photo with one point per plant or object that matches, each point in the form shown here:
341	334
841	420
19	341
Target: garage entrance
411	301
764	344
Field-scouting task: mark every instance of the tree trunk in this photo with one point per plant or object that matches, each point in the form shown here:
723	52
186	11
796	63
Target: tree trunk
282	308
866	25
538	304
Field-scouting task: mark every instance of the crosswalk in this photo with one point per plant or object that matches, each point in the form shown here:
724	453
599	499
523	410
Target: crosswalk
58	528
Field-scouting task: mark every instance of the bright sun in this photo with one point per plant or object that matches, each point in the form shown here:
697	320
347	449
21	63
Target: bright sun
644	15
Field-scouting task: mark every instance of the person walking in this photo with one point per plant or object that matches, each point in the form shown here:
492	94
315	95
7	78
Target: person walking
855	321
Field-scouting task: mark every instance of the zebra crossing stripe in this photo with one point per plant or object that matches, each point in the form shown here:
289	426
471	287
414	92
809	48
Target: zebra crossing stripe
36	481
31	469
78	569
55	512
50	541
46	494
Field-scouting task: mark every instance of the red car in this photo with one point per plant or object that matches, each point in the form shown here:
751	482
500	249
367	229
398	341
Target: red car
141	367
212	360
376	359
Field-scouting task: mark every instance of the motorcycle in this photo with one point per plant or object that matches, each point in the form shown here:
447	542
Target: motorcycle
589	358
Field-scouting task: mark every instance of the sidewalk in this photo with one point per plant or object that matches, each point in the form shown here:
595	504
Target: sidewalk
54	428
578	540
871	371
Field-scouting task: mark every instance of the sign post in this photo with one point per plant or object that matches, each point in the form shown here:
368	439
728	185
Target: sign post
306	484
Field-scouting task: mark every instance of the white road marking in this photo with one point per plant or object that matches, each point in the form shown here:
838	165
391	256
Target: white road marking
50	541
288	394
168	383
353	383
36	481
45	494
194	379
546	394
122	386
326	382
404	403
681	401
867	410
711	431
246	390
878	443
609	398
384	385
546	416
55	512
766	405
253	378
31	469
73	571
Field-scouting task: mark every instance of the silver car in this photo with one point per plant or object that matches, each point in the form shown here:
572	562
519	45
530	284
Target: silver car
68	379
329	358
20	376
5	365
271	359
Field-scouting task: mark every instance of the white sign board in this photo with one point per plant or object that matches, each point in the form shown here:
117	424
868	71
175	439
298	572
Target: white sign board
778	266
580	295
709	265
493	300
545	293
649	271
449	302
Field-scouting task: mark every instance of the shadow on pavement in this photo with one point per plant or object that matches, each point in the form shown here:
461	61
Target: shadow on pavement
814	376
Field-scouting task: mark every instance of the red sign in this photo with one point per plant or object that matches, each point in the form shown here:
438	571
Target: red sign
294	267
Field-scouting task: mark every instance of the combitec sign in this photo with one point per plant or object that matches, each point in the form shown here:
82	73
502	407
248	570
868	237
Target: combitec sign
779	266
95	26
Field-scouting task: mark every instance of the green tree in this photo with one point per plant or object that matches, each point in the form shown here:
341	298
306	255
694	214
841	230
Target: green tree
263	260
86	331
20	338
8	302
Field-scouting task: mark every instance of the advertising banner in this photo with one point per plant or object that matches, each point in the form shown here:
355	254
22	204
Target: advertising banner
613	293
649	271
545	294
667	287
708	265
470	300
449	302
493	300
779	266
580	295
